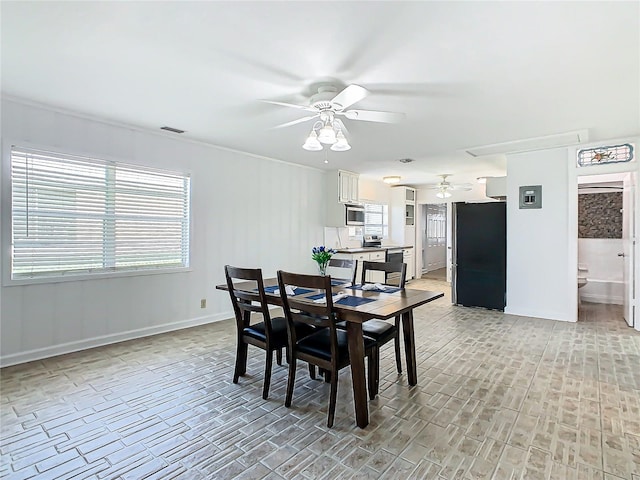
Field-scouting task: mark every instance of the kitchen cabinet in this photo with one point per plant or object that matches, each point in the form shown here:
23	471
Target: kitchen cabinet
342	188
402	222
403	215
348	187
377	256
407	257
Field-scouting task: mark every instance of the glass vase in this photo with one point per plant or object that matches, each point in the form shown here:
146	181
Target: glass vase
322	269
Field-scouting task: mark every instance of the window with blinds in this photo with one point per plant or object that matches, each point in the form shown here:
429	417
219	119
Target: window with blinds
376	219
73	215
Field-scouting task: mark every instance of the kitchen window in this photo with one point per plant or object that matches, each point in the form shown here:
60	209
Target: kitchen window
376	219
75	216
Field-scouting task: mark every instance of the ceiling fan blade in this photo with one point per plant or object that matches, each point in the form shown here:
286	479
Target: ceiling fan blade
461	186
295	122
292	105
373	116
350	95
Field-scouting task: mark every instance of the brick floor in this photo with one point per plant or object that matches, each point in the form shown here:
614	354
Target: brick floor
498	396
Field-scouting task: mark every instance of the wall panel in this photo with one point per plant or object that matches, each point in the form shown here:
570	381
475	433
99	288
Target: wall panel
246	210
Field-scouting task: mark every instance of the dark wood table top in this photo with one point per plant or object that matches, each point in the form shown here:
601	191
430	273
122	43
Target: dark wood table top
385	306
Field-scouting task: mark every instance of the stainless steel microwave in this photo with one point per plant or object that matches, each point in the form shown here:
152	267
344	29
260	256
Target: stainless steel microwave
354	215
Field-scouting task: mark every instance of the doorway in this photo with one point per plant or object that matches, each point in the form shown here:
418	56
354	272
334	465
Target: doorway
434	241
606	232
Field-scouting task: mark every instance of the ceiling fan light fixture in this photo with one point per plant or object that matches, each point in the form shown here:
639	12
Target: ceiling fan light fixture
341	144
327	135
443	194
312	144
391	179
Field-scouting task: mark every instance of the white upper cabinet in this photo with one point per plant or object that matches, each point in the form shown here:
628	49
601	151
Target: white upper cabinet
347	187
342	188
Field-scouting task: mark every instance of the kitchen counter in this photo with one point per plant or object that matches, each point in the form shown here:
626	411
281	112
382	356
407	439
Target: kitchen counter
371	249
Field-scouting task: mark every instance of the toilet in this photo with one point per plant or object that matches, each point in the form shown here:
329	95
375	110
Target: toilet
582	278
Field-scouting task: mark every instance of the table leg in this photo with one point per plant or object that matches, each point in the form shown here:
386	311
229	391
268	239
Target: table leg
410	347
356	356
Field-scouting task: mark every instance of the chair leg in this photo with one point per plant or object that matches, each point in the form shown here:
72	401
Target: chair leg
241	360
267	374
312	372
279	356
327	376
374	372
332	399
291	382
396	342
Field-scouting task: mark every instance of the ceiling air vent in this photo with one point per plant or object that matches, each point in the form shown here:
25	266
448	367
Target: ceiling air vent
171	129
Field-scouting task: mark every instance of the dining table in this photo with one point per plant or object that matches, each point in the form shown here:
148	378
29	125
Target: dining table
379	304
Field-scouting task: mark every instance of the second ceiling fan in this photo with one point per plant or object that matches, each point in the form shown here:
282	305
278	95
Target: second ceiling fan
444	187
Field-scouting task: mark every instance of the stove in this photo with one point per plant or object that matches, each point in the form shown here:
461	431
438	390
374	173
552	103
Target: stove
372	241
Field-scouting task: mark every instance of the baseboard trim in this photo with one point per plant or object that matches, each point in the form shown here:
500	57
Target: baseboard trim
596	298
70	347
538	315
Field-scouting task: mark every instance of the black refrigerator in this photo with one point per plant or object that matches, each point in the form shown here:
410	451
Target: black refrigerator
480	254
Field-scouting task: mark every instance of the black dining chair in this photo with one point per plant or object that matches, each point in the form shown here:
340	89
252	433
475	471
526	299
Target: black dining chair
345	263
380	330
327	348
270	334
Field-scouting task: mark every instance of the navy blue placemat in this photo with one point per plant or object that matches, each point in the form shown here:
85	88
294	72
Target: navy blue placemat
298	291
348	301
386	290
339	281
351	301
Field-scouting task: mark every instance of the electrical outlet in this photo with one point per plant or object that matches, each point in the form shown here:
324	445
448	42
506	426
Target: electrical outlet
203	303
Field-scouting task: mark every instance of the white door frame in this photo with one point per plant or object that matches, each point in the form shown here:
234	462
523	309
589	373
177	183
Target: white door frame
629	236
572	202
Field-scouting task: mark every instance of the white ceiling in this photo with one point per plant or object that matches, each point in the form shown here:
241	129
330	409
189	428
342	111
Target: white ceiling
466	74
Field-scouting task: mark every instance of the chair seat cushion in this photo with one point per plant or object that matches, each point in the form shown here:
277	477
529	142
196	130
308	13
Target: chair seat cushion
379	330
278	330
319	345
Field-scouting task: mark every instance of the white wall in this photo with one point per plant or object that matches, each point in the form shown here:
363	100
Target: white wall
246	211
538	239
374	191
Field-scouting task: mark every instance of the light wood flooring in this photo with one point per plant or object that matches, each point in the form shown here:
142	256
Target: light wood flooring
440	274
498	396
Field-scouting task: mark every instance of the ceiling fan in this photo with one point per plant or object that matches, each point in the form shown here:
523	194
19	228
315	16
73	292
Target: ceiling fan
444	188
328	104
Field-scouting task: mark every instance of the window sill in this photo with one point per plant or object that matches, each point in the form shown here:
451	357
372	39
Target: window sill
8	282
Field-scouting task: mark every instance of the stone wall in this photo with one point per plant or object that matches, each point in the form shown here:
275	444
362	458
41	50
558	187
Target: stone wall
599	215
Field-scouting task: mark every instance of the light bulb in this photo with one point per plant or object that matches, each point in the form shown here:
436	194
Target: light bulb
312	144
341	144
443	194
327	135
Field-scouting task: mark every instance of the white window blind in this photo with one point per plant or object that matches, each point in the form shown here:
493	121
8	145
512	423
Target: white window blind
376	219
76	215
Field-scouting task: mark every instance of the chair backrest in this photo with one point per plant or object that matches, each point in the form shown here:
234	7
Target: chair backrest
296	309
400	269
349	263
246	301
